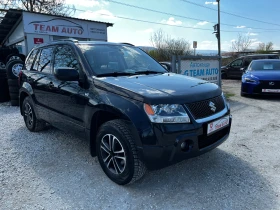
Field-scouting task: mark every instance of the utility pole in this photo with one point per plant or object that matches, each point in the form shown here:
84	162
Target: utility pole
219	42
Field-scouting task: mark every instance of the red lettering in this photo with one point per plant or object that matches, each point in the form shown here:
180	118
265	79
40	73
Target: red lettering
69	30
63	30
80	31
54	28
36	26
48	28
42	27
74	30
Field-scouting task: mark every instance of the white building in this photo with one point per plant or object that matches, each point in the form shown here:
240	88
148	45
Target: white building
24	29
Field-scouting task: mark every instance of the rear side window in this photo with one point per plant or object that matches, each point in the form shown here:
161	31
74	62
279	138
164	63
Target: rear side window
64	57
273	57
43	61
30	60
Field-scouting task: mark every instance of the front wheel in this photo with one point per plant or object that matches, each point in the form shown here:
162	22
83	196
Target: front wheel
117	153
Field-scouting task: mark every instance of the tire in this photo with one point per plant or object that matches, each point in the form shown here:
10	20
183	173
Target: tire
13	57
3	73
224	75
13	69
13	89
2	64
13	83
15	102
4	90
29	116
127	168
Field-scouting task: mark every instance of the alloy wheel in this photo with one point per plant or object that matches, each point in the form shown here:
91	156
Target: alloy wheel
113	154
28	113
17	68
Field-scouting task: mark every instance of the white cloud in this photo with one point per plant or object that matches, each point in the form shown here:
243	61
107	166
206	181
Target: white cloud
253	40
211	2
233	40
240	27
252	34
87	3
207	42
172	21
102	13
255	44
202	23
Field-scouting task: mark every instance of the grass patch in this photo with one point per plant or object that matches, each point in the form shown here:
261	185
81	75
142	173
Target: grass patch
228	95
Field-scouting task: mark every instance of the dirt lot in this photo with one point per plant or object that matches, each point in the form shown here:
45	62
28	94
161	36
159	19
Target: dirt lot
53	170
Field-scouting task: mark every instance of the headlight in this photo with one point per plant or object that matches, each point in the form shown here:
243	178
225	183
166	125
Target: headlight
249	79
166	113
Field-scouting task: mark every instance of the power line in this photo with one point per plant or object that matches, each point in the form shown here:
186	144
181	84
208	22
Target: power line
165	24
185	17
228	13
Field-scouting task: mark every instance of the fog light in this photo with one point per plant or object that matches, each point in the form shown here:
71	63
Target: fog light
184	146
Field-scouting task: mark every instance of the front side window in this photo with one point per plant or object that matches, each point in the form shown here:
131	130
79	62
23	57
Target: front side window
64	57
30	60
43	61
236	63
118	58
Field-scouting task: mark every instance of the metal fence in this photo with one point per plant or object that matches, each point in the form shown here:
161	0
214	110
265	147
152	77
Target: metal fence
202	67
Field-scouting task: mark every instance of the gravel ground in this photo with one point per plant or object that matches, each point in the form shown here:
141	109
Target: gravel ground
53	170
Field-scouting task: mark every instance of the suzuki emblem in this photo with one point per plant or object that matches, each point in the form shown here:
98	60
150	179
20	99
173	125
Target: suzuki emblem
271	83
212	106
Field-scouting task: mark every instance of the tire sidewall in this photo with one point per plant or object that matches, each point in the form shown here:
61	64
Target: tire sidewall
28	100
10	66
126	176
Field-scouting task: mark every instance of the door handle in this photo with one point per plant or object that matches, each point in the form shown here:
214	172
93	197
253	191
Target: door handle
51	85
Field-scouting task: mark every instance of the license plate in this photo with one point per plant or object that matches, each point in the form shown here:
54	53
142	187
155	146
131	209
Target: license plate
271	90
217	125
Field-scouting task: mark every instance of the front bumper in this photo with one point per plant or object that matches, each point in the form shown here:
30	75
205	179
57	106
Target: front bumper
256	89
195	140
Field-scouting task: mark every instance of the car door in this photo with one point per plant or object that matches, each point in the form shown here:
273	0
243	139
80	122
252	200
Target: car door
68	98
39	77
234	68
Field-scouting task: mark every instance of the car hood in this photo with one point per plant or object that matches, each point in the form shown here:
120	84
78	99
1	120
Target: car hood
266	75
159	88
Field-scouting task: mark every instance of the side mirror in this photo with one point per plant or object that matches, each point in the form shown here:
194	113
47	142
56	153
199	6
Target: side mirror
66	74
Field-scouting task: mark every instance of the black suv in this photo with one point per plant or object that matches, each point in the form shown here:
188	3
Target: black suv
133	112
236	68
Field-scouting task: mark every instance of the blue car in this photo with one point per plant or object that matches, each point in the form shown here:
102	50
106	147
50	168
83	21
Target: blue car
262	77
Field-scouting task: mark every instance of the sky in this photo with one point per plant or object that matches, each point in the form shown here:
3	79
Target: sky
259	21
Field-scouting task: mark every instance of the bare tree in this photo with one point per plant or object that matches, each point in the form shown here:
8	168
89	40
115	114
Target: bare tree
242	43
54	7
265	47
167	46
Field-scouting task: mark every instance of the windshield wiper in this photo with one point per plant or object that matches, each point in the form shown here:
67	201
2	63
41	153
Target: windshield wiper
115	74
148	72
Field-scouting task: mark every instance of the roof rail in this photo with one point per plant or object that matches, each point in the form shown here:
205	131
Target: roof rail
127	43
70	39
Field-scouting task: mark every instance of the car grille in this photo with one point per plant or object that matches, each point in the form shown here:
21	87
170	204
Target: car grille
205	141
202	109
265	84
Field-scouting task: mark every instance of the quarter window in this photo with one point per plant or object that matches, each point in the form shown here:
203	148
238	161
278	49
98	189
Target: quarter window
236	63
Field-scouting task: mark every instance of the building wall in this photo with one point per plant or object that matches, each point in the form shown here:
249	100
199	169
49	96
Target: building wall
32	39
17	35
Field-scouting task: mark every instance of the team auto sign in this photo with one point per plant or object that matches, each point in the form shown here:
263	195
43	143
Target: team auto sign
51	25
202	69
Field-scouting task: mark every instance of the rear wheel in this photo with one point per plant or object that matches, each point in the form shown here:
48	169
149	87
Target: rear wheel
224	75
117	153
29	116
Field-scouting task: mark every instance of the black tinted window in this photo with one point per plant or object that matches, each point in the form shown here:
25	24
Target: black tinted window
237	62
43	61
64	57
30	60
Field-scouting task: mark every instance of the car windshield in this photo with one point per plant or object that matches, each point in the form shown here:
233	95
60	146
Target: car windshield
265	65
119	60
